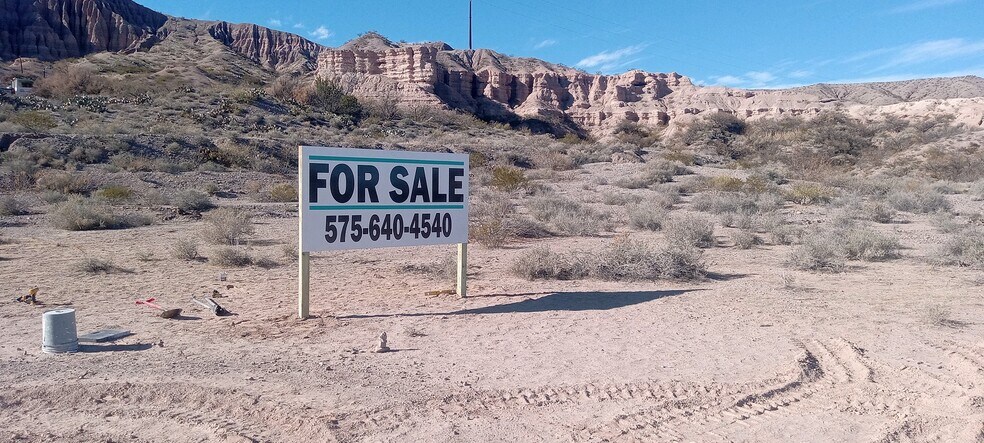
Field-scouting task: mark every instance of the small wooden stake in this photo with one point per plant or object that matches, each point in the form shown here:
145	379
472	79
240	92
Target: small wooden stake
462	270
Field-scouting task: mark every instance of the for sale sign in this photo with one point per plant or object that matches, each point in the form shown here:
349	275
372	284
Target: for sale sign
362	199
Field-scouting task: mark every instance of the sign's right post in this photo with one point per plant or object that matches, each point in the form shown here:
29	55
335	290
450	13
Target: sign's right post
462	270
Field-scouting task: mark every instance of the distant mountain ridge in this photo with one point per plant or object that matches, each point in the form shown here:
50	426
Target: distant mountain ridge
484	82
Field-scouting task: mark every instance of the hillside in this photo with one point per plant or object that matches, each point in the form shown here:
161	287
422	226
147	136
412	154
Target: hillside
483	82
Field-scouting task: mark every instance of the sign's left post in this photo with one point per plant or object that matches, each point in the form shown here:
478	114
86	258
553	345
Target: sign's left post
303	258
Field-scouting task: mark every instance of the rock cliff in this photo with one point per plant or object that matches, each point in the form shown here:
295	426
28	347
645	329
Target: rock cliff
55	29
490	84
272	49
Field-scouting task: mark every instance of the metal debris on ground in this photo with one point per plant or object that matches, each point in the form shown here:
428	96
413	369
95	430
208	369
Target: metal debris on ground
212	305
104	335
441	292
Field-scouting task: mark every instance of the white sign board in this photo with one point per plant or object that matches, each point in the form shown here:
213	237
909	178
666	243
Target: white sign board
363	198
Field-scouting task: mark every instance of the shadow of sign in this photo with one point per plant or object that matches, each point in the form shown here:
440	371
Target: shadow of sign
555	301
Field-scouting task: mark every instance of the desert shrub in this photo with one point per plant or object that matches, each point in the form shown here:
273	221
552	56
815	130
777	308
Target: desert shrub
817	252
282	192
227	226
811	194
717	131
962	248
946	223
859	243
826	249
66	81
508	178
783	234
96	266
53	197
636	134
744	239
626	259
977	190
185	249
647	216
922	201
229	257
62	181
289	251
114	193
285	89
327	95
619	199
192	201
540	263
726	183
652	174
10	205
490	232
689	230
568	217
878	212
79	214
523	227
33	121
553	160
717	202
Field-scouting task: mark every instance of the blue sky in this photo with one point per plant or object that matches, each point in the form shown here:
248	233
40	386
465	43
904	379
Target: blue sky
742	43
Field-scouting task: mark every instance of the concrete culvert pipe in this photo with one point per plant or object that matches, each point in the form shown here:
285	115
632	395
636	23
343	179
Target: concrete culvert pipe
59	332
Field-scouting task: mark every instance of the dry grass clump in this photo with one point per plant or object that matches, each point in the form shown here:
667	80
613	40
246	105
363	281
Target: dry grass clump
62	181
508	178
745	239
654	173
81	214
828	249
97	266
878	212
185	249
619	199
621	260
689	230
490	217
282	193
977	190
920	201
230	257
568	217
721	202
114	193
227	226
540	263
811	194
625	259
962	248
646	216
10	205
192	201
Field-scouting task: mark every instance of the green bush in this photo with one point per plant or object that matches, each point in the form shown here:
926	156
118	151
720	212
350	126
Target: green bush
115	193
282	192
34	121
327	95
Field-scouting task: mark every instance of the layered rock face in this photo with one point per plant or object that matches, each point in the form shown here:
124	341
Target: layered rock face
490	84
55	29
272	49
493	85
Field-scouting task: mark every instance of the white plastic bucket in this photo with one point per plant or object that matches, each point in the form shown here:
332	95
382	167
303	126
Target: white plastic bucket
59	333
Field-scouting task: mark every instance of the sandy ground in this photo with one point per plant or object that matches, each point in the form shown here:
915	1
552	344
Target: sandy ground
741	356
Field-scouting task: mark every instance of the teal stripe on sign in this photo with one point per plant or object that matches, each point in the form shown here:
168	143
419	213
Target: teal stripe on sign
382	207
385	160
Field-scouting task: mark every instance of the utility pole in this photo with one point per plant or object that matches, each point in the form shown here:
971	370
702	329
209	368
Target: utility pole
470	47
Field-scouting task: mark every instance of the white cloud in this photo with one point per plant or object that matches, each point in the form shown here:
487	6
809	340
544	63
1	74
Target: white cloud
728	80
920	5
935	50
610	60
298	25
322	33
545	44
802	73
275	22
760	77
